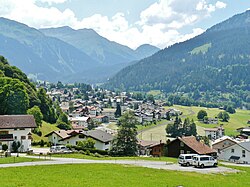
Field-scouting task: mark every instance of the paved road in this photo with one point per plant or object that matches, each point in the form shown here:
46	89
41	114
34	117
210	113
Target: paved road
141	163
234	164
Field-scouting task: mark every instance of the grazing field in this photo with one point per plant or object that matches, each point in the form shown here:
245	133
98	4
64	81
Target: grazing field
10	160
115	175
239	119
45	129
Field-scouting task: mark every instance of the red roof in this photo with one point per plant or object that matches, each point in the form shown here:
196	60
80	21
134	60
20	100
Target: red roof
197	146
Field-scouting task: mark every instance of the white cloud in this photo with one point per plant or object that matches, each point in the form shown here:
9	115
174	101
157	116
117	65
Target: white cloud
50	2
220	4
159	24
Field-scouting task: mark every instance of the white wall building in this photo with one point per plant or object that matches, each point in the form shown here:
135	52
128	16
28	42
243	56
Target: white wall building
63	137
16	128
239	153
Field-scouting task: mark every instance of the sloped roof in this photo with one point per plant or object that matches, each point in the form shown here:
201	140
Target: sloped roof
197	146
62	133
245	145
99	135
17	121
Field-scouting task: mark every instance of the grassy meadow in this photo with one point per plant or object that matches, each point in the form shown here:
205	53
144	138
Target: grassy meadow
112	175
238	119
45	129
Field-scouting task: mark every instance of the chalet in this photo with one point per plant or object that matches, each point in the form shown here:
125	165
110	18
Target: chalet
102	119
244	130
144	147
211	120
80	121
110	112
63	137
157	150
188	145
223	143
239	153
17	128
214	133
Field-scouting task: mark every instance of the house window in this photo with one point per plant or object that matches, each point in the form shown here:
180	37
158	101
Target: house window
232	150
188	152
22	129
182	151
23	137
67	142
15	137
106	143
243	153
181	144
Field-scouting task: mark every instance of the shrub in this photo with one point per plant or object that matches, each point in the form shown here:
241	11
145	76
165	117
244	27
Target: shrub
4	147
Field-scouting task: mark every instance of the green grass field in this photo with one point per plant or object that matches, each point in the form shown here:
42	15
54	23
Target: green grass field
45	129
239	119
10	160
91	175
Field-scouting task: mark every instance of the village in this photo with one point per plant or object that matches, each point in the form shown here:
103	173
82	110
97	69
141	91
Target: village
90	119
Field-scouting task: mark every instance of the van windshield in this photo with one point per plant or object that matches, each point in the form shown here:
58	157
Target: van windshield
181	157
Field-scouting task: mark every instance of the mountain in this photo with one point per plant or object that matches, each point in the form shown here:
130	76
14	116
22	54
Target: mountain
146	50
212	67
99	48
40	56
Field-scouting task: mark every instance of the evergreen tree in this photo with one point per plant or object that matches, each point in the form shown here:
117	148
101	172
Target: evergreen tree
125	144
118	111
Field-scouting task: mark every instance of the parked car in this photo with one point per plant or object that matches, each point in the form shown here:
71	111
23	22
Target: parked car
204	161
186	159
59	149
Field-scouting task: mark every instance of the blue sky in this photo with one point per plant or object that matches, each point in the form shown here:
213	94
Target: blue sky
129	22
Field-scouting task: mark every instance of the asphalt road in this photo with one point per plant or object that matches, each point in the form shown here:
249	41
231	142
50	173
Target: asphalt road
141	163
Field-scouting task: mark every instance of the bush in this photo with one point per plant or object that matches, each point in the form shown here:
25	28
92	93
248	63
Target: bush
81	149
4	147
42	143
37	131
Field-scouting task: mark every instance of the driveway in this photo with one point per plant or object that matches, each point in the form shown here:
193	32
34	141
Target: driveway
141	163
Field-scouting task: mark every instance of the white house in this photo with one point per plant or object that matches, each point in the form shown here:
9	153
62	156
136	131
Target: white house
214	133
16	128
239	153
63	137
80	121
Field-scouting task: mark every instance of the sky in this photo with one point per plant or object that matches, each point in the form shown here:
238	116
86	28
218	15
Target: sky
128	22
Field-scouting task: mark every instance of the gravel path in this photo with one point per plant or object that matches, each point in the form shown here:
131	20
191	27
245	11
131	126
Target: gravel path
141	163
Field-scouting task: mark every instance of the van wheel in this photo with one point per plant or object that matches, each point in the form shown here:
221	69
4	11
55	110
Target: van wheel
215	164
188	164
202	166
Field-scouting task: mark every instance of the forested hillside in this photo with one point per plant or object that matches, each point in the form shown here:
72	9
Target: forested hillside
210	68
18	94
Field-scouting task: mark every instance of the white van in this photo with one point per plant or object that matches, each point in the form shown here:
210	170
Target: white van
204	160
186	159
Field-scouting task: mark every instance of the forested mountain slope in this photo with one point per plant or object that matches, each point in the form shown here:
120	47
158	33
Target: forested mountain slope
206	67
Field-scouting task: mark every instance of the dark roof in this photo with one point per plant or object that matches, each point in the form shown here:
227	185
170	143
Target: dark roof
197	146
99	135
17	121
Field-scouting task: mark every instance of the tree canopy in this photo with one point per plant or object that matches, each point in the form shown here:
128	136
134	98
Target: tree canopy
125	144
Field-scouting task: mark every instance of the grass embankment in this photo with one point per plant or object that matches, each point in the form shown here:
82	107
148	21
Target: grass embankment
82	156
11	160
45	129
239	119
115	175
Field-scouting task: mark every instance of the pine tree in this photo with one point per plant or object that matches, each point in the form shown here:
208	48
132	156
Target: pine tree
125	144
